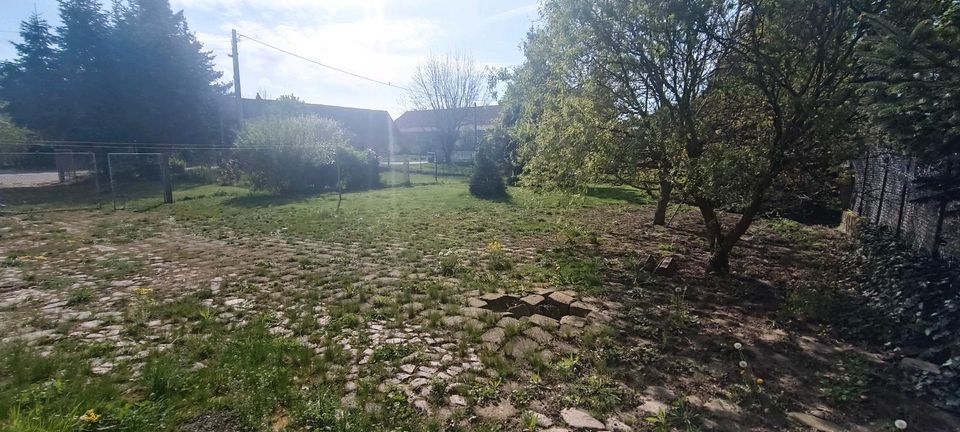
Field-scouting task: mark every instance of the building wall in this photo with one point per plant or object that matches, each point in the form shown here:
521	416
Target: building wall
884	193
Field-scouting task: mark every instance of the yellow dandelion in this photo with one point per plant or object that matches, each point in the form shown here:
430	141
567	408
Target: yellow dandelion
495	246
143	291
90	416
760	381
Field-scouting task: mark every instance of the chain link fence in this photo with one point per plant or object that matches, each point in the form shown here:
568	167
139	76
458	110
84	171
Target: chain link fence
44	181
886	194
127	179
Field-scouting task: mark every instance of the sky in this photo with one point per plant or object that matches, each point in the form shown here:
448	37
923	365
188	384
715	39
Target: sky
381	39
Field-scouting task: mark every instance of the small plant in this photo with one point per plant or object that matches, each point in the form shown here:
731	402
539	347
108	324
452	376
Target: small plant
389	353
596	392
679	417
847	383
449	264
80	296
529	421
484	391
498	259
752	391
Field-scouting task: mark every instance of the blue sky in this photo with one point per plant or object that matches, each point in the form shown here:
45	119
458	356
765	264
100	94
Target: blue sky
383	39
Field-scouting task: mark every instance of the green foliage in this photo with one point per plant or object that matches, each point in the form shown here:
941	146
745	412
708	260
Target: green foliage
919	297
847	382
303	154
912	87
679	417
596	392
486	181
137	75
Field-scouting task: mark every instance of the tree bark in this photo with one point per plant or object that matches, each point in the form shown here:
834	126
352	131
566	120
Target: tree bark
660	217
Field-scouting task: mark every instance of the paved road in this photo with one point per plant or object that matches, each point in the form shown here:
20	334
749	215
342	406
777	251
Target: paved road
411	163
33	179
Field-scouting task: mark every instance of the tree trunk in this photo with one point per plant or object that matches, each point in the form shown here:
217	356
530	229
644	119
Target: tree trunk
719	262
660	217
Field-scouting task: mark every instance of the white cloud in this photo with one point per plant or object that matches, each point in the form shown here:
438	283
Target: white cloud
362	40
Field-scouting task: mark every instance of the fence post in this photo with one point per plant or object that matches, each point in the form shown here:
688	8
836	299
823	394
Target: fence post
165	175
113	185
863	185
903	195
883	188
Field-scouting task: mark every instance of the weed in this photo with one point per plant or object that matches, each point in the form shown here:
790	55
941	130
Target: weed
680	417
114	268
80	296
484	391
56	282
529	421
847	383
449	264
596	392
498	363
390	353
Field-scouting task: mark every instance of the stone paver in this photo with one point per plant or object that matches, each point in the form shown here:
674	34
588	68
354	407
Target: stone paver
579	419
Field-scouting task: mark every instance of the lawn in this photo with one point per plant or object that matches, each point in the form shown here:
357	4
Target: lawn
422	308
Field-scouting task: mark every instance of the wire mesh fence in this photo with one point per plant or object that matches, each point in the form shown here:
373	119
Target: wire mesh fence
136	180
42	181
424	168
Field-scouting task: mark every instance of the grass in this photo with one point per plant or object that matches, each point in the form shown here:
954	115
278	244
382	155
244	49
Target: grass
386	215
403	258
248	372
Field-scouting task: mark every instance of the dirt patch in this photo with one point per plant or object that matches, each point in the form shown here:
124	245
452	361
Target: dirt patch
215	421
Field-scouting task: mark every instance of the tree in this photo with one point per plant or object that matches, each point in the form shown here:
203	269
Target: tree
136	74
486	182
27	82
912	87
83	82
749	90
785	104
169	91
449	85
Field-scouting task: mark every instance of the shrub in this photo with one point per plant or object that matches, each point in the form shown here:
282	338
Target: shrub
486	181
920	297
300	154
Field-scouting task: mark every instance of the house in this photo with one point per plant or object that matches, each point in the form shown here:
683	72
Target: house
368	129
419	130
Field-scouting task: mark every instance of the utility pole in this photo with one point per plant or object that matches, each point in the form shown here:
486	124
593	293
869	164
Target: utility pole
236	77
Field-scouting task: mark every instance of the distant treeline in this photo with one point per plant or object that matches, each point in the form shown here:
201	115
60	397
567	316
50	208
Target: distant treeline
131	73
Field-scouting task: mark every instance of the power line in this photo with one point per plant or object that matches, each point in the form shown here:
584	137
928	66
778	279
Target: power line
322	64
144	146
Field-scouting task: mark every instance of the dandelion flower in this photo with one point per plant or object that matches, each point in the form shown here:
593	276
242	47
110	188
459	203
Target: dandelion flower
738	345
900	424
494	247
760	381
90	416
743	364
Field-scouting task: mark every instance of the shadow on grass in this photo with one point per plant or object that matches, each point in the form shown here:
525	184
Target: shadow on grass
264	199
618	193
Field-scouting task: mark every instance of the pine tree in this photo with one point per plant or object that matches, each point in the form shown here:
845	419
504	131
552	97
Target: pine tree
83	63
170	89
912	63
25	83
